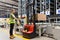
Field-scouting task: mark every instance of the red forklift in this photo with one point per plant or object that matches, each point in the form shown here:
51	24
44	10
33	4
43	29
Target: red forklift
30	28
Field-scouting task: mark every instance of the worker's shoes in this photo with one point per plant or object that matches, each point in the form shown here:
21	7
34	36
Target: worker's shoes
12	37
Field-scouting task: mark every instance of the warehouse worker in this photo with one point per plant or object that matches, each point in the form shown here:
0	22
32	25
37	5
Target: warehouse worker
12	22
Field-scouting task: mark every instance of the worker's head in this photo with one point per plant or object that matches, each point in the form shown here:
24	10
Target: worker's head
13	10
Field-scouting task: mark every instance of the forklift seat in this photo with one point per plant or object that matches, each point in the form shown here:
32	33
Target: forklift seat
28	31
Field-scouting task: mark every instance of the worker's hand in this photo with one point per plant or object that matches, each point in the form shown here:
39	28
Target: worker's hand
18	22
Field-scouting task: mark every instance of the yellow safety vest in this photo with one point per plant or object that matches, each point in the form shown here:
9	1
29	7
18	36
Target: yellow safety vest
12	20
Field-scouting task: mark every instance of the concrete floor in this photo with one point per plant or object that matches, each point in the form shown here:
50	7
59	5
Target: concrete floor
42	38
4	35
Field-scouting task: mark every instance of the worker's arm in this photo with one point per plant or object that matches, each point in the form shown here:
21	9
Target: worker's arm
14	17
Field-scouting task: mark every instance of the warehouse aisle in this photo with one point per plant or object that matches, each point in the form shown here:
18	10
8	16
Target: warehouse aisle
4	35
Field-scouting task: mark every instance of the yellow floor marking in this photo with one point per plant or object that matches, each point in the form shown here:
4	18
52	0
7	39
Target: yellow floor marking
19	36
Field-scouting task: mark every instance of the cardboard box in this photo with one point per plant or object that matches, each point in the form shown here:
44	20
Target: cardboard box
40	17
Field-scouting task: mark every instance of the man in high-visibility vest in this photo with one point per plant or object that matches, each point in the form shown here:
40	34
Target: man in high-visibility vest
12	22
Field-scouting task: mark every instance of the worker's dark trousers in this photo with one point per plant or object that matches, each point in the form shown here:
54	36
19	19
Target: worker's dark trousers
11	28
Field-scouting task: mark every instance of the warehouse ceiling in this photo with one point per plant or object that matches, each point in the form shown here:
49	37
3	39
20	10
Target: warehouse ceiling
8	4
